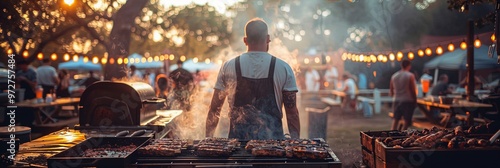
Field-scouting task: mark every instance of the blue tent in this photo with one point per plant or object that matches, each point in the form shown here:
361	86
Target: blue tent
142	65
457	60
191	66
80	65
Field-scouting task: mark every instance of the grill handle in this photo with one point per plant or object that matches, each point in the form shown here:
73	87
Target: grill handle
153	101
224	165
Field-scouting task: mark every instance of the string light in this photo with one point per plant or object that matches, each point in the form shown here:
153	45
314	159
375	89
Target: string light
137	60
385	59
361	58
399	56
112	61
171	57
75	58
306	60
9	51
316	60
380	57
463	45
143	60
428	51
391	57
95	60
126	60
207	61
119	61
420	53
66	57
349	56
373	58
162	58
156	58
493	38
104	60
411	55
195	59
39	56
53	57
85	59
439	50
327	58
451	47
150	59
183	58
25	53
344	57
477	42
132	61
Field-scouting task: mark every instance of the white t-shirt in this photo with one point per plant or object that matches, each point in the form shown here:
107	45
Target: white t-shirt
45	75
401	82
256	65
351	87
312	78
331	74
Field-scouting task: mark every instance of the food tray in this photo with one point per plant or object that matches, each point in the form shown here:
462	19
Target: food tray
73	157
422	157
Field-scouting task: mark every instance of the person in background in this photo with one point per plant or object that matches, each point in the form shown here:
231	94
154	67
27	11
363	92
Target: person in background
62	89
26	79
350	89
161	86
362	81
257	85
90	80
331	76
183	85
135	73
403	90
426	75
47	77
312	80
441	88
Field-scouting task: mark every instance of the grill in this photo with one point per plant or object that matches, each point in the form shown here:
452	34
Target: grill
239	158
119	109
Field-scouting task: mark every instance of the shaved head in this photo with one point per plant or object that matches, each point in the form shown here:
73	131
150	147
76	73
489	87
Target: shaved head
256	31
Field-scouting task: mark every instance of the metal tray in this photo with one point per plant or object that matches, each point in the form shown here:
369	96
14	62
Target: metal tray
73	157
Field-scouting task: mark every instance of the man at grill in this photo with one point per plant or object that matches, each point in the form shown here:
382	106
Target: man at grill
257	85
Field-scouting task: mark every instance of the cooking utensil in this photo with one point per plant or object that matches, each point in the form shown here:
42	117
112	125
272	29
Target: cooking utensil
494	137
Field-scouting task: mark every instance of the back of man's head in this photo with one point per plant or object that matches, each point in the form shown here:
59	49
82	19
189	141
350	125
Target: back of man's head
46	61
405	64
132	67
256	31
179	63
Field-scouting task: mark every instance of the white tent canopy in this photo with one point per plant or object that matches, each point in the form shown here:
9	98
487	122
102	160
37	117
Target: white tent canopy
141	65
80	65
191	66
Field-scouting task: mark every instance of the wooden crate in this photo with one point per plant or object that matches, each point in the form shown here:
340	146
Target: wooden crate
421	157
368	158
368	138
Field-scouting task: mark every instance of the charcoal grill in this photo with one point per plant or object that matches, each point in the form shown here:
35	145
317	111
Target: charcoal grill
108	108
239	158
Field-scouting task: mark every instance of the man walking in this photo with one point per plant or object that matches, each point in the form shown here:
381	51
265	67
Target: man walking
403	90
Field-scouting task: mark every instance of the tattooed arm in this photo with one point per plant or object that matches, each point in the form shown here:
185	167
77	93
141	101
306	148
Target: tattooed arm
214	112
292	113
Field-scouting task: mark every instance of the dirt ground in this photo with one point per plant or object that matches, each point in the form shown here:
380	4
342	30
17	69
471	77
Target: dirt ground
343	133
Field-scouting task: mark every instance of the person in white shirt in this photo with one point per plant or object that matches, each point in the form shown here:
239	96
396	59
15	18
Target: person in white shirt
350	89
312	80
47	77
331	76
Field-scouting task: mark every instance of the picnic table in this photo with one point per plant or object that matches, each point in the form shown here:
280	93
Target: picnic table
460	107
48	110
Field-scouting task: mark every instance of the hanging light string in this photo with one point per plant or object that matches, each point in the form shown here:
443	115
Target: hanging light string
421	51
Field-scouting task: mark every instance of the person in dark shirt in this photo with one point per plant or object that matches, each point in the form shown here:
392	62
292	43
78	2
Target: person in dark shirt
183	85
90	80
26	79
441	88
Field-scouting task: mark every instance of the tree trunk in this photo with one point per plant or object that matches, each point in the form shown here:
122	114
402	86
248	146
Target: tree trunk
119	38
